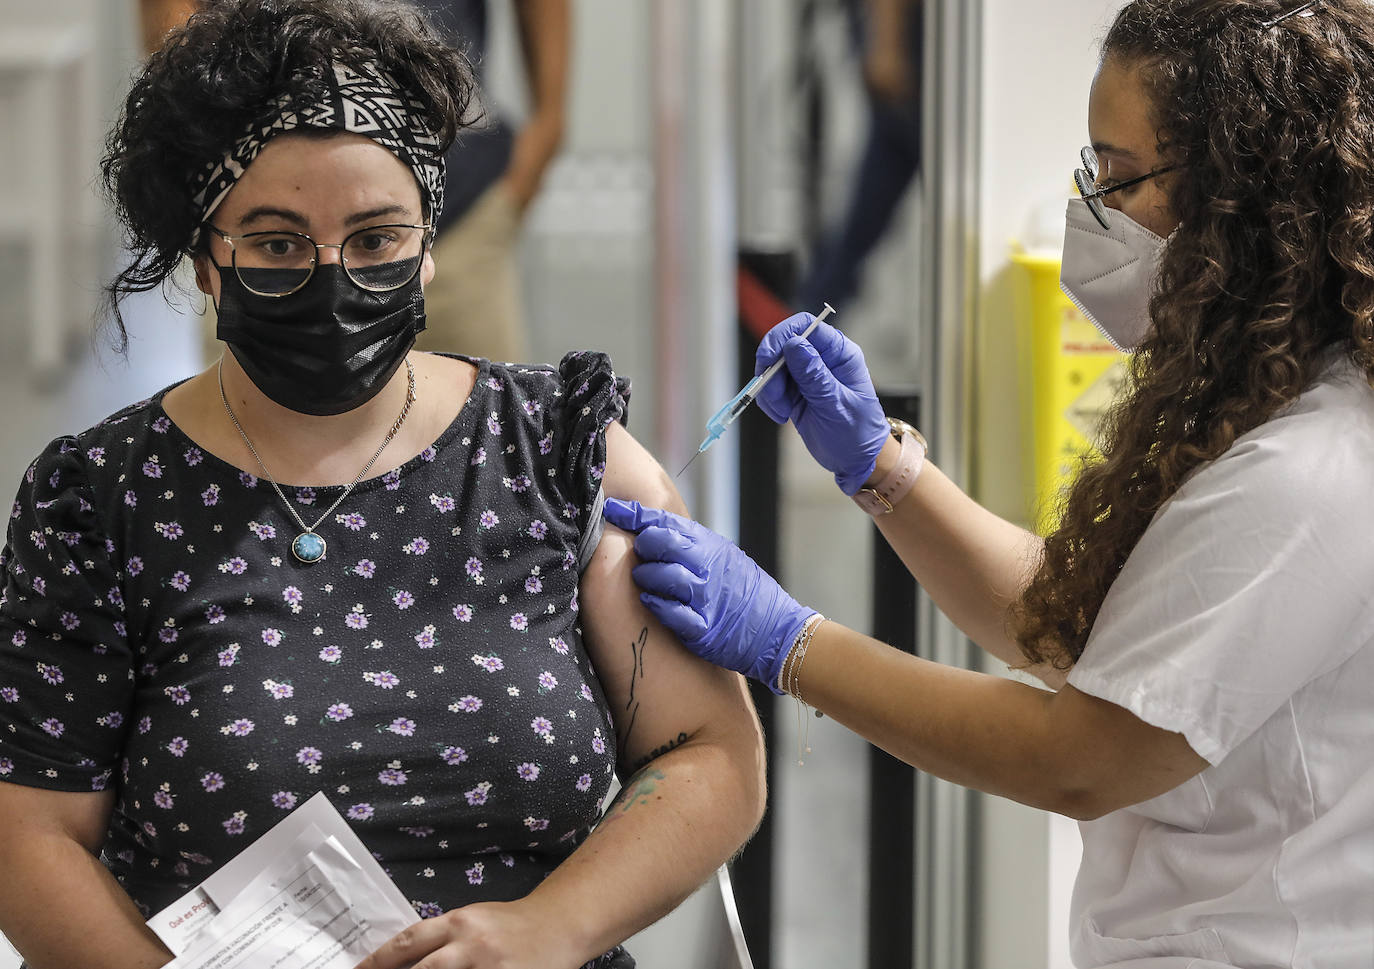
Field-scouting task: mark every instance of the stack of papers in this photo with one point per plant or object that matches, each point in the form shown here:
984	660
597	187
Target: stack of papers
306	895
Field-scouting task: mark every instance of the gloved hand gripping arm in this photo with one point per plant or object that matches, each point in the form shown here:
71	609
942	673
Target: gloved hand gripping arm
712	595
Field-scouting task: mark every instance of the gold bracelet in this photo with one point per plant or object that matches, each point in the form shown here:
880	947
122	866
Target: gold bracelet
784	671
788	660
789	680
798	654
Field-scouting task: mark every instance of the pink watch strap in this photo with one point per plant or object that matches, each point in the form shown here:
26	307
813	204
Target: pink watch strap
883	497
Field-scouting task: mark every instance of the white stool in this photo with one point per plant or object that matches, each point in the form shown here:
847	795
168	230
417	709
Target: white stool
46	78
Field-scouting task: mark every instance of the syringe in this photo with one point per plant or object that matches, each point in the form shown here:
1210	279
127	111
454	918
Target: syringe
738	404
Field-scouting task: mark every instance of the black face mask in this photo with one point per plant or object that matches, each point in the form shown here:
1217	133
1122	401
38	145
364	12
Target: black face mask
326	349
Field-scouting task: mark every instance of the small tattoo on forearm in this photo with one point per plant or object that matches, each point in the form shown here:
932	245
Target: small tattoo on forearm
640	789
658	752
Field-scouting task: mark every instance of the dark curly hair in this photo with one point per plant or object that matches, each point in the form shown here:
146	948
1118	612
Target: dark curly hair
1272	264
217	75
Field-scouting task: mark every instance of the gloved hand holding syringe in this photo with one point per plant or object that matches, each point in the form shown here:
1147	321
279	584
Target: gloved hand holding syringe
738	404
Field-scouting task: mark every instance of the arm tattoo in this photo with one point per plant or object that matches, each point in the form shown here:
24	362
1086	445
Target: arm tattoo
637	651
639	789
636	675
658	752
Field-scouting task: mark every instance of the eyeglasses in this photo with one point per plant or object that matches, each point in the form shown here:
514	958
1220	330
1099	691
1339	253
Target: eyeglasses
377	258
1086	180
1304	8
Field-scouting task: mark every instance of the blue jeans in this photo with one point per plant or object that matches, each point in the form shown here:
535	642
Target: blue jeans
891	157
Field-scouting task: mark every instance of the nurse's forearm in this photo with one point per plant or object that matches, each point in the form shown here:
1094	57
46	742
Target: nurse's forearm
972	563
1065	752
64	910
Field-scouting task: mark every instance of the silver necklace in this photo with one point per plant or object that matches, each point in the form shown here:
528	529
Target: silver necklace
308	546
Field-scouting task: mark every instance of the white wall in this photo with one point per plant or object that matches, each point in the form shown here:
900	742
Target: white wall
1038	60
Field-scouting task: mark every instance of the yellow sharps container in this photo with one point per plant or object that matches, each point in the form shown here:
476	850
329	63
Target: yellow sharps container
1074	374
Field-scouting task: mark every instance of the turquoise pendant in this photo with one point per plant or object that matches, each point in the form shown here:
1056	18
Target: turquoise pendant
308	547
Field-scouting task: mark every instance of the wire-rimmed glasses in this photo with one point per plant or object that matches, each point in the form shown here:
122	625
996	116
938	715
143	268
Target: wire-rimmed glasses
377	258
1086	180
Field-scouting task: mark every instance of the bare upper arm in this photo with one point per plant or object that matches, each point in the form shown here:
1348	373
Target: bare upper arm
661	695
1114	759
79	815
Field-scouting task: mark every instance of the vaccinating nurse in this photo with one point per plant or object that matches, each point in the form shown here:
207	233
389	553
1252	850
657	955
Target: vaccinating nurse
1203	612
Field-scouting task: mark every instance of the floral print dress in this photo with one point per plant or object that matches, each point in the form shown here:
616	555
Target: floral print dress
157	635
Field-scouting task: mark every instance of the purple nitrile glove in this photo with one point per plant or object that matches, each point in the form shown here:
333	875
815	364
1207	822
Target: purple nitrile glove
827	394
709	593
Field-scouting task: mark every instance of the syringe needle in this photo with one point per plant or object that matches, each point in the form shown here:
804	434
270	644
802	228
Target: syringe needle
737	405
689	463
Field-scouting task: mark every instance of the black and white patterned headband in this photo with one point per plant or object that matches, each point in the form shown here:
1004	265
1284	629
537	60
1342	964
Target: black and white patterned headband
365	101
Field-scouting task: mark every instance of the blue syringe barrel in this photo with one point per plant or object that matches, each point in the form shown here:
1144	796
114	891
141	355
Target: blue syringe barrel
738	404
730	413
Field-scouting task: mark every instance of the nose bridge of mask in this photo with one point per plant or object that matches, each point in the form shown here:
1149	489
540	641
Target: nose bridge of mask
1079	216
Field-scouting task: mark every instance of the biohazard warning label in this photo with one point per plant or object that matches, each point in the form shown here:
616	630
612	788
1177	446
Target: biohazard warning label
1085	413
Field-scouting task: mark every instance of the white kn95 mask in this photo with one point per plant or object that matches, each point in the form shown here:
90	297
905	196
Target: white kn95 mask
1110	274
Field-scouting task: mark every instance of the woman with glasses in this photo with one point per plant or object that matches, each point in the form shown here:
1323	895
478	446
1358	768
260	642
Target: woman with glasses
1203	612
333	564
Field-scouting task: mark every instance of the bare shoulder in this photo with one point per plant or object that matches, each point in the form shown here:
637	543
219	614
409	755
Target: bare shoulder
632	473
444	378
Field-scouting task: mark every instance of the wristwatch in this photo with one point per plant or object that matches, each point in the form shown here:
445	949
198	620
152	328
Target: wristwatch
883	496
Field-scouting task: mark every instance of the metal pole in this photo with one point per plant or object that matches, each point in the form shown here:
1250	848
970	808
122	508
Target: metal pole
671	228
694	239
944	907
892	880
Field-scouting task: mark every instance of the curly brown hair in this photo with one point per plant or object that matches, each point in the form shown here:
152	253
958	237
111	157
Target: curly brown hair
1271	265
219	74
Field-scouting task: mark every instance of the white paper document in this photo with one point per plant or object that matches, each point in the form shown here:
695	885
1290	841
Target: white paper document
306	895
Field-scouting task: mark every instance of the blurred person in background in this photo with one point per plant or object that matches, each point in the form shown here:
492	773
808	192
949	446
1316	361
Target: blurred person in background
890	38
332	563
157	17
495	170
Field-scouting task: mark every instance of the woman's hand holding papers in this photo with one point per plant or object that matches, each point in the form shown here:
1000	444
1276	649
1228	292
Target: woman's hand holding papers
486	935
